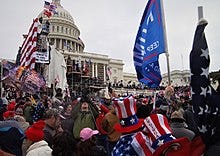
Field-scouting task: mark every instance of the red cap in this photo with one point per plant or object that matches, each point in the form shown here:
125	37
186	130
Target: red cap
11	106
35	133
8	114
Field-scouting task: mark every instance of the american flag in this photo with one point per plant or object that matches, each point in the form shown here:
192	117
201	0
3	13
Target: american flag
124	147
29	47
35	78
205	100
142	144
47	5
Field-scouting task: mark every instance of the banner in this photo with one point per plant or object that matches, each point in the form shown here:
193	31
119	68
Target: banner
42	57
149	43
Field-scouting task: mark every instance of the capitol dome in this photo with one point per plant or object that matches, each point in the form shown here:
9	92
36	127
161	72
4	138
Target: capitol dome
64	34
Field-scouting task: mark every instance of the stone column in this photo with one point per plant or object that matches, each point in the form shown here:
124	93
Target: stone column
96	70
104	71
71	45
74	46
93	69
55	43
60	46
77	47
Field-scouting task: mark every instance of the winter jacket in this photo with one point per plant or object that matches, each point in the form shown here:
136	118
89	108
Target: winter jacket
39	148
11	137
67	123
179	130
83	119
49	132
190	120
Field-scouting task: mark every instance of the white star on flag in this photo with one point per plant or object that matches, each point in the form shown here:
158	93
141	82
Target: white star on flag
116	151
160	142
205	71
206	109
216	111
122	122
203	129
213	131
201	111
132	120
203	91
205	53
172	136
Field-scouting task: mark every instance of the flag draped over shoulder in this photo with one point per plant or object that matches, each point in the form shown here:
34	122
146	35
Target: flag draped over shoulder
205	100
29	47
149	43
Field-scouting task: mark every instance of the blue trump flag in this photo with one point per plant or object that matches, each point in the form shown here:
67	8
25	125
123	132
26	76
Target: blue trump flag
149	43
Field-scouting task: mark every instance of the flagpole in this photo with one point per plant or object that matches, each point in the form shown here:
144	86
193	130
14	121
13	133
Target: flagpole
200	12
1	86
165	41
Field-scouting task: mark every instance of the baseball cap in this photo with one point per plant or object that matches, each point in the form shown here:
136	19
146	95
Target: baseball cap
87	133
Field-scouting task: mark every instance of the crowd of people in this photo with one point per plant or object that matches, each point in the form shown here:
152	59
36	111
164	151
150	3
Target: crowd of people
39	125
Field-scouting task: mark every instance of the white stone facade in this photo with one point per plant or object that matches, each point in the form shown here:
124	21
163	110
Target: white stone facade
65	36
177	77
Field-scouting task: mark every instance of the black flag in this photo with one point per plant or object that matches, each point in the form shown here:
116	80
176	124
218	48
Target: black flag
205	100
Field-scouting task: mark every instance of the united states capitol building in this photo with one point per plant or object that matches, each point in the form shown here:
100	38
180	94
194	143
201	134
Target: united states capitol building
65	36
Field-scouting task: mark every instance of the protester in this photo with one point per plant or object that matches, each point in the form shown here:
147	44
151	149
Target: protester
87	145
3	153
190	119
67	121
107	124
39	110
83	117
143	109
29	111
178	126
129	125
21	122
35	139
11	135
160	140
3	108
24	126
64	144
53	125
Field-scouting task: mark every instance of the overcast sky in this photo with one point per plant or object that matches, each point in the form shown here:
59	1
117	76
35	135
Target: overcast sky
110	27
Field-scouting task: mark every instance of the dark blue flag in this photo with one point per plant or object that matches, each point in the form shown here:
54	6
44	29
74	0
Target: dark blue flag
205	100
149	44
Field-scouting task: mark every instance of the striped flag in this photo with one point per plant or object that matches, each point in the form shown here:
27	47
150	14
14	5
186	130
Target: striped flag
29	47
